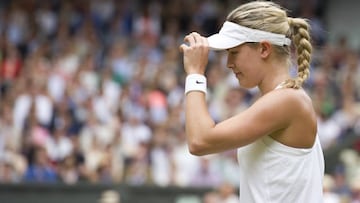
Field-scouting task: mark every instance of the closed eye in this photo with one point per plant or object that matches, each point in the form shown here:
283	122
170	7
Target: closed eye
232	51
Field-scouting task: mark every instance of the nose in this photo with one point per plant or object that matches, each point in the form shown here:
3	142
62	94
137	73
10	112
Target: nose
229	63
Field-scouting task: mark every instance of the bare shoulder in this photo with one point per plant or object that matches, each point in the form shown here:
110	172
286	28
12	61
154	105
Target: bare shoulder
289	99
281	114
282	108
296	108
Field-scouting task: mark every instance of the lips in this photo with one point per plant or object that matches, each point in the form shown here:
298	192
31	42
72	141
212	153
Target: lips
237	74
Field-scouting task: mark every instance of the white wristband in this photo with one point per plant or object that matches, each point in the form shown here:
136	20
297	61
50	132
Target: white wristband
195	82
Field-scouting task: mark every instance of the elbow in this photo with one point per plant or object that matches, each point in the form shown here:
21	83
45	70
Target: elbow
197	149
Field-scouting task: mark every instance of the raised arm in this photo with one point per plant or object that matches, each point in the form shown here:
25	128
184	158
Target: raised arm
272	112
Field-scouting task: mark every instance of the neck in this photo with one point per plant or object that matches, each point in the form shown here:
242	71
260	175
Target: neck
270	82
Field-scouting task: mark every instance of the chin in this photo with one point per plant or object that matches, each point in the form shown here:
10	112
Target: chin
246	85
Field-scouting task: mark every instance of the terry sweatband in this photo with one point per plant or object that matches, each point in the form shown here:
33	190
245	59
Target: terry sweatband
195	82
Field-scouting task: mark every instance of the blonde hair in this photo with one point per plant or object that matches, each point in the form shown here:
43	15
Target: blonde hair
270	17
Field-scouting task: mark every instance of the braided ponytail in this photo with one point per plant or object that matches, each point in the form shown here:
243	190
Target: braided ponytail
301	39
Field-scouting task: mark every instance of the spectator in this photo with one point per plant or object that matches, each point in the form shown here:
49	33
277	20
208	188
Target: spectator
206	175
58	146
211	197
227	193
138	173
67	170
40	170
355	187
10	67
328	188
160	160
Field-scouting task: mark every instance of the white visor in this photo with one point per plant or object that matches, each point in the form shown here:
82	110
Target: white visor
232	35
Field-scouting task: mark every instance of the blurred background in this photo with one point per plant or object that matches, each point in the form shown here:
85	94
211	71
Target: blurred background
91	100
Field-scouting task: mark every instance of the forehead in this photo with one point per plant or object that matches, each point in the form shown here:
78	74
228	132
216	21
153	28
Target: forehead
234	48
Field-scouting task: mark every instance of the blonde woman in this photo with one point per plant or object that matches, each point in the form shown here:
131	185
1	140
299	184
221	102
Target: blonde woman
279	152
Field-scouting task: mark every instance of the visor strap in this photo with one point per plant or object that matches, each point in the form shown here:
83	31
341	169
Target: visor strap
231	29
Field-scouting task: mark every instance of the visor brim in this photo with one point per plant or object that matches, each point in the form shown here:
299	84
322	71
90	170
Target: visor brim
222	42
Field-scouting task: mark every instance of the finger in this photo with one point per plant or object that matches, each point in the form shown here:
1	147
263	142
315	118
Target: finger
193	38
205	41
195	34
190	40
183	47
197	37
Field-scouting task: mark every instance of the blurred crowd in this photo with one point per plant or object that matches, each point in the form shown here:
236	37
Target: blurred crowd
92	91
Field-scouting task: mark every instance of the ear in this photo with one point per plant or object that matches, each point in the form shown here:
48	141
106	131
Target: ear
265	49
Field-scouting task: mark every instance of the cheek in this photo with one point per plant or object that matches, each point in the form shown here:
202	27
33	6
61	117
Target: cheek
244	64
250	74
249	64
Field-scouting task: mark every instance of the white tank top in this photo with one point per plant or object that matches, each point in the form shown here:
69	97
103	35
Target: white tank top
271	172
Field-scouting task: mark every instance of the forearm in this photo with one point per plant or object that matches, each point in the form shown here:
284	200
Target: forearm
198	122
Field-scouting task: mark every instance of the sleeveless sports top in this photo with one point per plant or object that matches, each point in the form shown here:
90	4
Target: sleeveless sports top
271	172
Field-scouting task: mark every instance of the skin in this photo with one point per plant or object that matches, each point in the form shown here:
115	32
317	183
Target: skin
285	114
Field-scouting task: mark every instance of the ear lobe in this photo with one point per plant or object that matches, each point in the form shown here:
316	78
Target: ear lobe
265	49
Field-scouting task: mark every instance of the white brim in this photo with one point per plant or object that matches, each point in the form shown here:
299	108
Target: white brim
232	35
222	42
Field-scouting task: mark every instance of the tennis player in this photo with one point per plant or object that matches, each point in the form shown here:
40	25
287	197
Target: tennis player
279	153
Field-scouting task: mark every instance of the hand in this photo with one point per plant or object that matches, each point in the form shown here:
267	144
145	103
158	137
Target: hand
196	53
